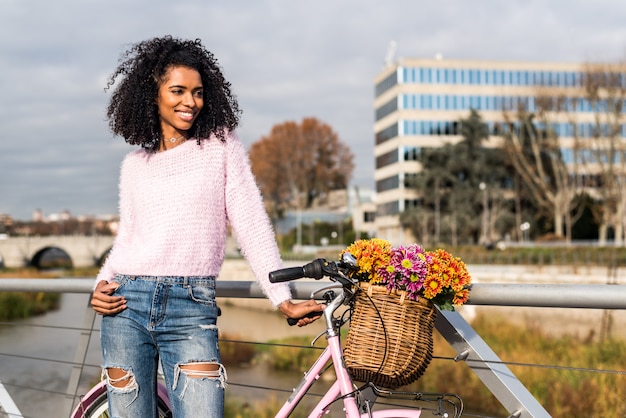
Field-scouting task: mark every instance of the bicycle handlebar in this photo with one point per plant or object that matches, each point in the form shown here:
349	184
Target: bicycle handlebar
314	270
317	269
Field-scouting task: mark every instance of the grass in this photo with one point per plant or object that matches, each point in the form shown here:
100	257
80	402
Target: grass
575	256
21	305
235	351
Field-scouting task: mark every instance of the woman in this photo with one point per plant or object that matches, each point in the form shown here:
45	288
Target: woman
179	192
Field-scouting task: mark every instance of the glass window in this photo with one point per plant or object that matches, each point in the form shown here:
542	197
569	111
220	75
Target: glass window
387	159
388	183
412	153
387	133
410	180
386	84
567	155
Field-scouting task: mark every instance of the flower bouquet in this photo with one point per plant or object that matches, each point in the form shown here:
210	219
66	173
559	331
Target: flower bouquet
437	275
390	340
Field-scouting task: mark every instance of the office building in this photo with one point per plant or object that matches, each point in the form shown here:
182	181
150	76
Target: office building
419	102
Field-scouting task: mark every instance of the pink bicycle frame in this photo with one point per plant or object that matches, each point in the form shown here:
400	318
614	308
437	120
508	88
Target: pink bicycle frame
343	387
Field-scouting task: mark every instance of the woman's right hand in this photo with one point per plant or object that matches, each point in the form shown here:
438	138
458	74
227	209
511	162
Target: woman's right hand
103	303
302	310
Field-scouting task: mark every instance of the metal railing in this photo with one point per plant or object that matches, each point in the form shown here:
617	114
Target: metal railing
469	346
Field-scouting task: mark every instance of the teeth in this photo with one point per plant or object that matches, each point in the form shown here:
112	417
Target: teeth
186	114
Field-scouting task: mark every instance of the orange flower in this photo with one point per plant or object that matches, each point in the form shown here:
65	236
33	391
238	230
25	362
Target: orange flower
432	286
461	297
371	255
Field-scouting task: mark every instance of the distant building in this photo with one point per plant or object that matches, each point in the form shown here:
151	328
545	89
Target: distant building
338	206
5	223
418	103
38	215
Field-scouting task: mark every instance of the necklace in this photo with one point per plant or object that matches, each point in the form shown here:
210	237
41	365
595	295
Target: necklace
172	140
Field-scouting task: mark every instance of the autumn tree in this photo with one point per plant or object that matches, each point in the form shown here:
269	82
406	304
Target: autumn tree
297	163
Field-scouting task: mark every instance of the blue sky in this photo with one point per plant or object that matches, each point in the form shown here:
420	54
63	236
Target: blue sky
286	60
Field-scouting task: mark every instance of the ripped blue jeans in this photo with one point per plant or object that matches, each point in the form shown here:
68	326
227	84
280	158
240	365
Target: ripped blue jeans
172	319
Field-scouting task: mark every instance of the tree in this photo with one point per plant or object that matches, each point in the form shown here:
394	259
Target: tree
461	189
533	147
298	163
605	91
424	220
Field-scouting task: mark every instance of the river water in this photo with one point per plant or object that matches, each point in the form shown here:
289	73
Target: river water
45	337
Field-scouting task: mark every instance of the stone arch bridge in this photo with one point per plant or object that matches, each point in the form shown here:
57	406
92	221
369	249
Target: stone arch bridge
83	251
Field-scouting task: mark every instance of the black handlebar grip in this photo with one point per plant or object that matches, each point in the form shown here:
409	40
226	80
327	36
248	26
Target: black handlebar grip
286	274
294	321
313	270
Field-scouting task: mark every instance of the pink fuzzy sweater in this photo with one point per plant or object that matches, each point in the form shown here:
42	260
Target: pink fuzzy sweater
174	210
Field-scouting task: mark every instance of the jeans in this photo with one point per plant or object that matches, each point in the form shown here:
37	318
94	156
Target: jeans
171	319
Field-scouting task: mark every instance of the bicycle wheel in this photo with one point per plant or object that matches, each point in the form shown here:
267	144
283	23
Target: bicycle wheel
96	406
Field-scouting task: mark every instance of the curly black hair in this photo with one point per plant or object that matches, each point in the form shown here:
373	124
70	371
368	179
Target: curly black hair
132	111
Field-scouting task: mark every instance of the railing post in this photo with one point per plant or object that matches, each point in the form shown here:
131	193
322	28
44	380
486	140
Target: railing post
79	361
7	406
503	384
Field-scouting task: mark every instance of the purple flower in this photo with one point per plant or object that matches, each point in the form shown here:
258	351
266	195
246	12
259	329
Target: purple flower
406	270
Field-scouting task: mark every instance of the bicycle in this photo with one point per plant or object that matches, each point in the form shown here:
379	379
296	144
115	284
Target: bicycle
357	402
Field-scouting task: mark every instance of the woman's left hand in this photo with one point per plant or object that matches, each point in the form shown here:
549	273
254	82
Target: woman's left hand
300	311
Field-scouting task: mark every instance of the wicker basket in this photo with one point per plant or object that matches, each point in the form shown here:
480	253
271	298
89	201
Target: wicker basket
390	340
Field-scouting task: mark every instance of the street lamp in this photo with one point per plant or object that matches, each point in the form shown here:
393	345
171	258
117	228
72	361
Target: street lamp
484	238
524	228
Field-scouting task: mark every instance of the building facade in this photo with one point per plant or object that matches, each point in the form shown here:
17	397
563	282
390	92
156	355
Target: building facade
419	103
